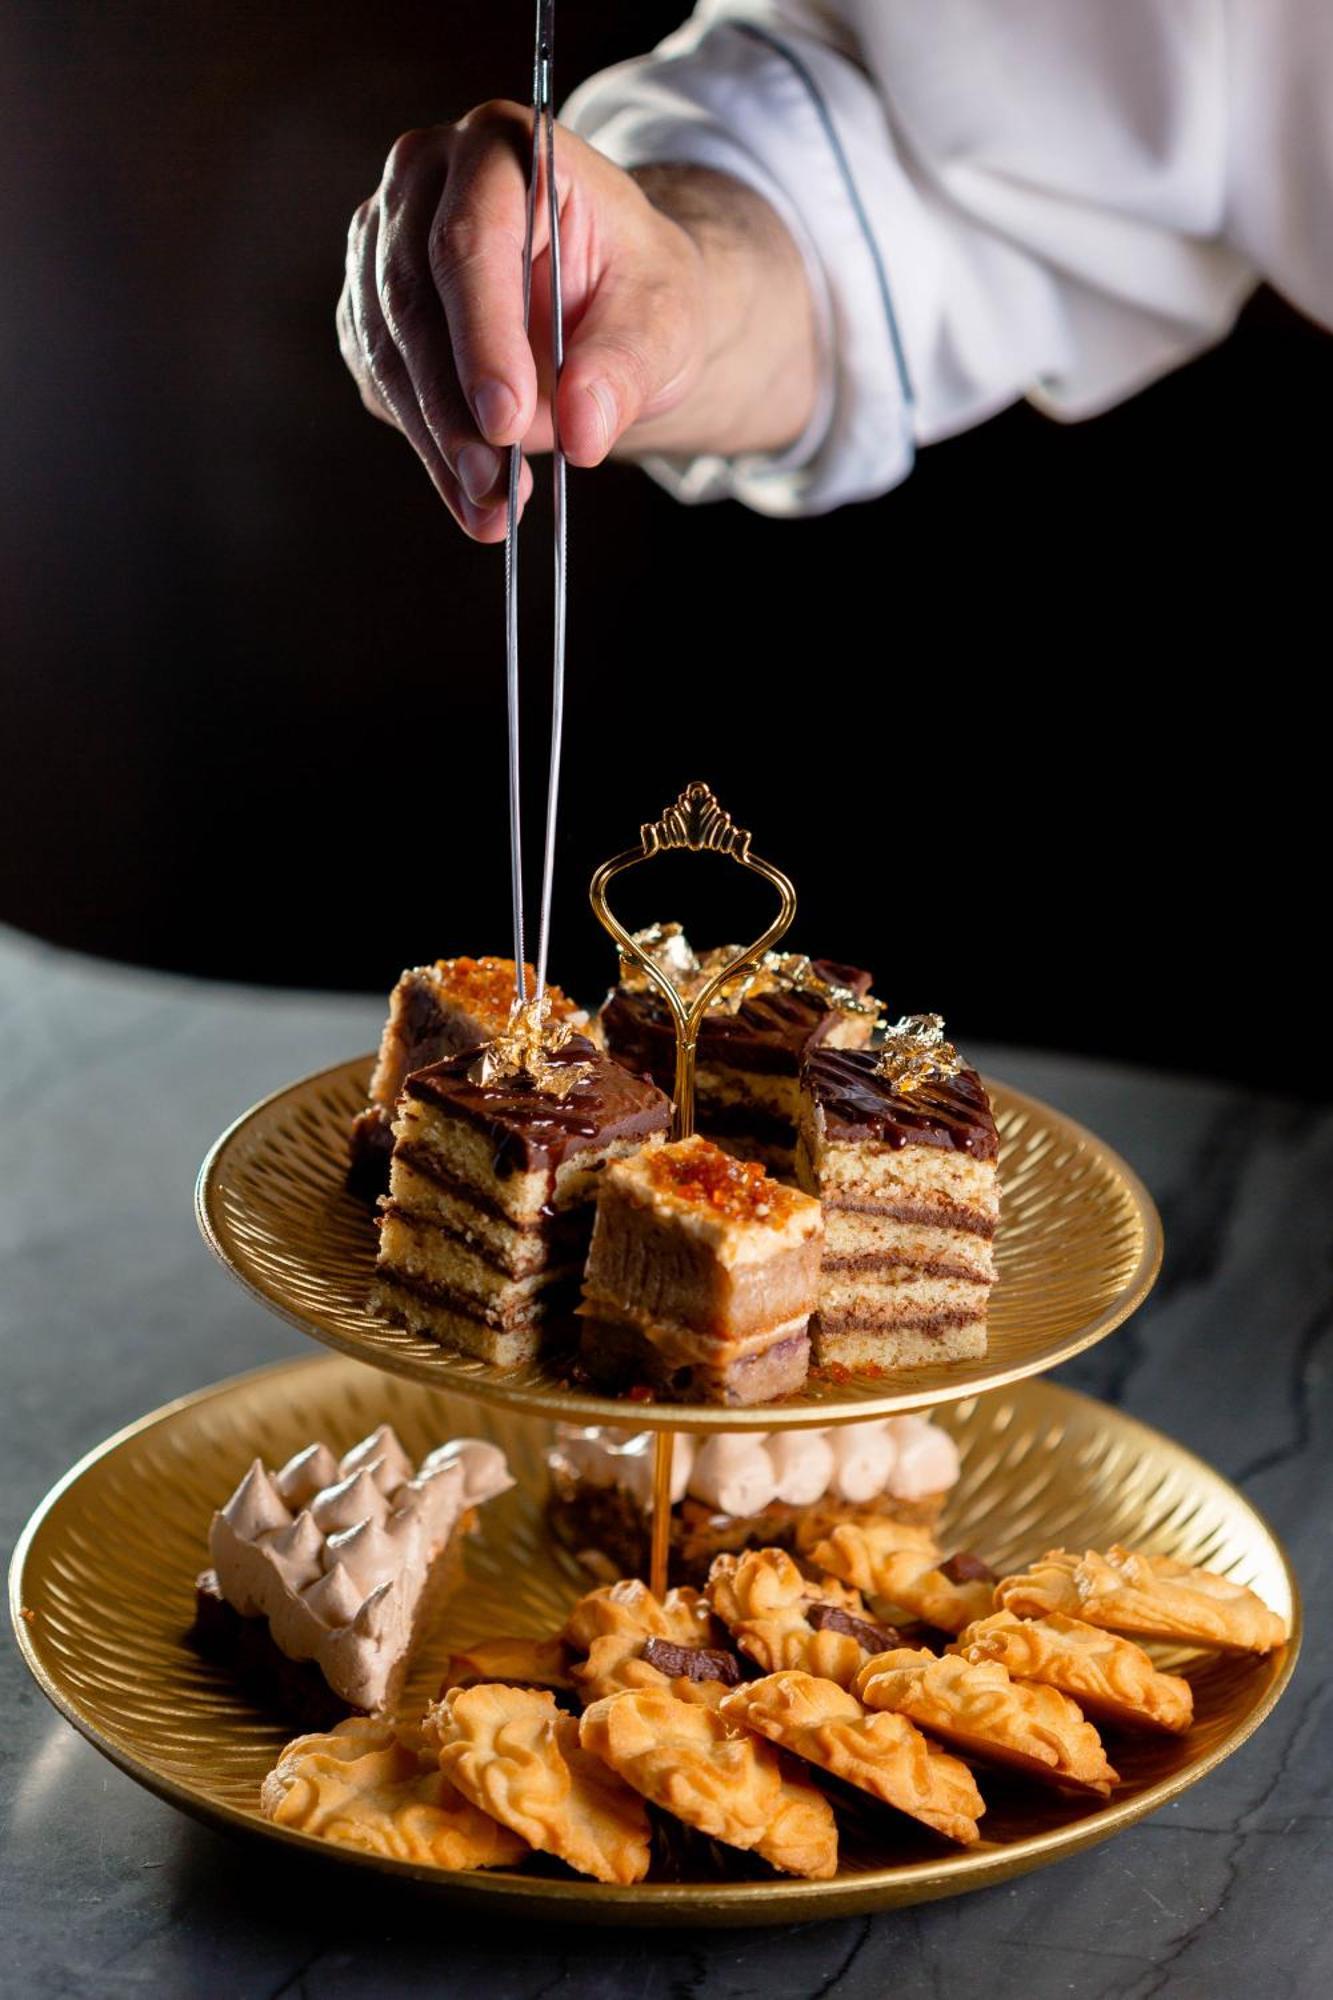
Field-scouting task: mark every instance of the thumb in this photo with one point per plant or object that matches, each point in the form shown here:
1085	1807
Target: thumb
630	356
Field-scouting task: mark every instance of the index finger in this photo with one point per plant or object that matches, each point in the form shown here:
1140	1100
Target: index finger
476	259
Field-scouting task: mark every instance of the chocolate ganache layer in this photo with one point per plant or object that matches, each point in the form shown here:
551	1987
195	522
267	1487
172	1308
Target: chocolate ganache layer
531	1129
859	1103
769	1034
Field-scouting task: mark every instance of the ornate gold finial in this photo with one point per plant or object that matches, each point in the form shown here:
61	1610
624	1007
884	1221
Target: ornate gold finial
915	1053
523	1052
698	822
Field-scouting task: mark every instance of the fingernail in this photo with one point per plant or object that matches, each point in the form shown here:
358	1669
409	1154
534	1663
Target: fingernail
478	468
495	406
606	412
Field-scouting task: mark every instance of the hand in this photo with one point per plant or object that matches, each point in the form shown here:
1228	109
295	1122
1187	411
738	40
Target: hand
665	347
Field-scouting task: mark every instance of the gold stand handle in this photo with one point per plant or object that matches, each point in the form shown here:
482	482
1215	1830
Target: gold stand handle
696	821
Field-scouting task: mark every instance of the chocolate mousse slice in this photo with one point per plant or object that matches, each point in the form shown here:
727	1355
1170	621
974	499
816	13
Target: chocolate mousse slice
326	1573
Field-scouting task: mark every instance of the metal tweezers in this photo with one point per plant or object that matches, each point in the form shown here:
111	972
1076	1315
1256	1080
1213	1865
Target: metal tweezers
543	151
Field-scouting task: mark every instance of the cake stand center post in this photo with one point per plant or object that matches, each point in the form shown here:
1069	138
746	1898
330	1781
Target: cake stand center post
697	822
664	1445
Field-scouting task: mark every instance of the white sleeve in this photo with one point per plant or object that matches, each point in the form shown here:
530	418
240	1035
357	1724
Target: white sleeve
991	203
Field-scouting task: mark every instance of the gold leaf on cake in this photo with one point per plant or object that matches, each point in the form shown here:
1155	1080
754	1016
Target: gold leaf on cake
690	971
523	1053
915	1053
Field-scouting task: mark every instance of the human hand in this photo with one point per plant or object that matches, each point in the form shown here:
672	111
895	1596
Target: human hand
430	320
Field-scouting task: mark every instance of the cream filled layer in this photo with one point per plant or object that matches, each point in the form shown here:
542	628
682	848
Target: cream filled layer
855	1238
461	1324
897	1292
420	1250
462	1156
336	1555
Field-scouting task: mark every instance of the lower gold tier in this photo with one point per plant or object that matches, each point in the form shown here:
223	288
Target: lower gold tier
103	1594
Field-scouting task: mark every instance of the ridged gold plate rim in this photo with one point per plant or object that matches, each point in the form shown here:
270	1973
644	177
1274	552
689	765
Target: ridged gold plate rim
101	1593
1078	1248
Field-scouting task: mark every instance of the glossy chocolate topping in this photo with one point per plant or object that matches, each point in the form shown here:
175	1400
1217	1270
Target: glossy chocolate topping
530	1128
859	1103
768	1034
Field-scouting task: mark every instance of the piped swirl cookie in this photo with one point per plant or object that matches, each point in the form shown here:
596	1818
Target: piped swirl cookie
363	1786
630	1639
1110	1677
977	1709
1150	1597
717	1776
782	1619
517	1756
883	1754
898	1564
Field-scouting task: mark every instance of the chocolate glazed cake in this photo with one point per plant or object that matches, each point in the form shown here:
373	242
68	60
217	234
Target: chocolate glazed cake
434	1011
490	1203
907	1182
747	1086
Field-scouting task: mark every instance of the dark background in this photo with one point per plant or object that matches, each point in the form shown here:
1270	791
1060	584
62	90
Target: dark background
1038	735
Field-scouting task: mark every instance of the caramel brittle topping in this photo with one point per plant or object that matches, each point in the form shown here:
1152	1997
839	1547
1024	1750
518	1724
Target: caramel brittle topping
737	1190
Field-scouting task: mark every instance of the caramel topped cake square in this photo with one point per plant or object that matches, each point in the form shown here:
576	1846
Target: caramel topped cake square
491	1188
904	1165
434	1011
752	1041
701	1276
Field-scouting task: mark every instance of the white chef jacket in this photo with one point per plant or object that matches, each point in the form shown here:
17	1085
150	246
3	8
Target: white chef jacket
1057	199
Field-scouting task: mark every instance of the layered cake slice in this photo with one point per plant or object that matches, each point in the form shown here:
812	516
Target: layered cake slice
325	1573
434	1011
490	1204
752	1042
900	1146
700	1279
743	1489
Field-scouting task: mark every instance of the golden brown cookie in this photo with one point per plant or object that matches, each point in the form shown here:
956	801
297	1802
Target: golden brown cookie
610	1627
362	1786
1111	1678
517	1756
781	1618
520	1661
977	1709
899	1566
884	1755
1150	1597
715	1775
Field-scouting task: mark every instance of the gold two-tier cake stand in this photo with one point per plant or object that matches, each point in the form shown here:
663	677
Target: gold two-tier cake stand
102	1588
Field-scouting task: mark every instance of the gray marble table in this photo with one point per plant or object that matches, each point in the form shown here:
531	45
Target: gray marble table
112	1084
